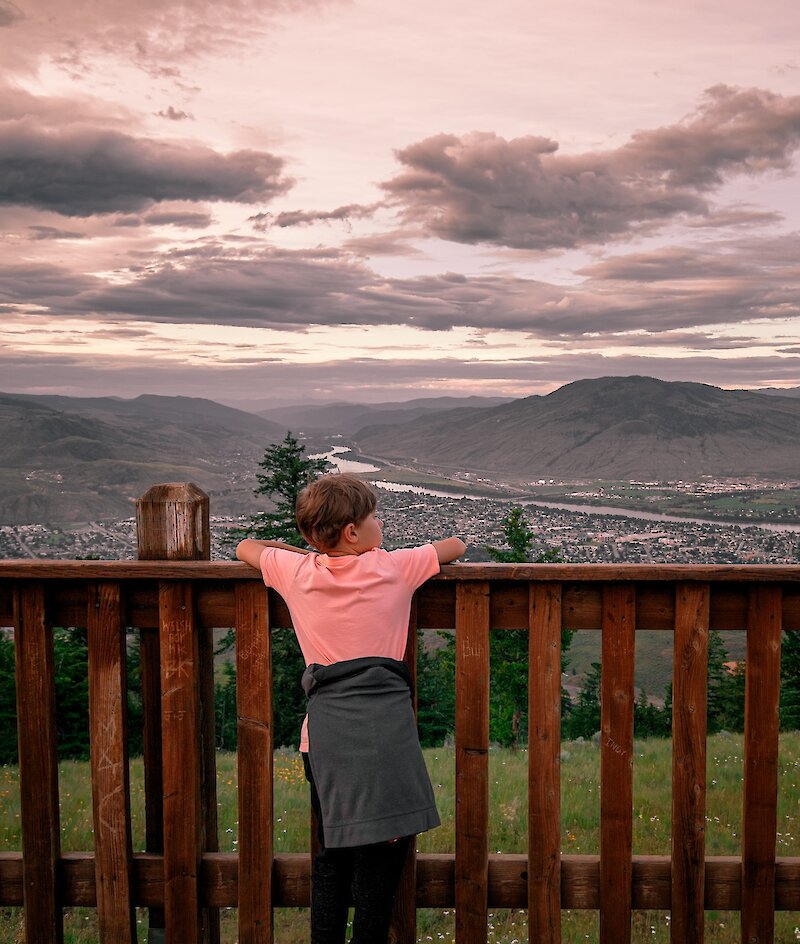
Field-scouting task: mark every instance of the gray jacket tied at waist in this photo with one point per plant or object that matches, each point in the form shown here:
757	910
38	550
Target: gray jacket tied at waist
364	752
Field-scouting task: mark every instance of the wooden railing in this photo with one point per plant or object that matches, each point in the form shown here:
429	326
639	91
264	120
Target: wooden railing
182	877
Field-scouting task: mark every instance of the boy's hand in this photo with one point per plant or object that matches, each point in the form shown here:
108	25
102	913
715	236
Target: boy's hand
449	549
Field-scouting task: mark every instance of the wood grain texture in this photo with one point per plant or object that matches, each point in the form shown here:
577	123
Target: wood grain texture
180	740
108	726
472	762
38	765
689	698
616	763
759	821
193	569
255	765
404	915
508	882
544	751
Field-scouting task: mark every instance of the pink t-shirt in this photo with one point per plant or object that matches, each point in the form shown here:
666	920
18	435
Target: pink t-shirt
349	607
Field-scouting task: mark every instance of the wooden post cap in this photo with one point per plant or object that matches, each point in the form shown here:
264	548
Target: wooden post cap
172	523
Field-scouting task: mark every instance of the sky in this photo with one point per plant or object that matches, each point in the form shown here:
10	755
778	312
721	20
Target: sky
270	201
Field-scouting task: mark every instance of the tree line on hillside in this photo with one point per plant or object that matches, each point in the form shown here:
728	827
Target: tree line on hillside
286	470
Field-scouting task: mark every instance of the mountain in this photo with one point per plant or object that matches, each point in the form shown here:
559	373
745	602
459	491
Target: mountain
609	428
345	418
779	391
67	459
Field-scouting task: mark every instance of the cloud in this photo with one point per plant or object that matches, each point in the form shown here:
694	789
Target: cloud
9	13
185	219
673	289
352	211
156	37
82	171
174	114
360	379
522	193
51	232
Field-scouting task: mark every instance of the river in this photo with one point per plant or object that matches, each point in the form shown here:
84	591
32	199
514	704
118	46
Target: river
350	465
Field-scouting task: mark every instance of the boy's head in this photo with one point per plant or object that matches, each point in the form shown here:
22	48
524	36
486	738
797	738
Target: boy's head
331	503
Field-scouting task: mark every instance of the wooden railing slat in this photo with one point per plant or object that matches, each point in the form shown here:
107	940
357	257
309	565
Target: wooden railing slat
254	762
759	820
109	763
472	762
180	741
689	698
616	763
404	917
38	765
544	751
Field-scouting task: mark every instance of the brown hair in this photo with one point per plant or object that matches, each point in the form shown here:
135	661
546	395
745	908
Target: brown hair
329	504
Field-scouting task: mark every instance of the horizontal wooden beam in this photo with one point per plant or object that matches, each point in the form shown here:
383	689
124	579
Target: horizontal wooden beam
215	604
508	881
234	570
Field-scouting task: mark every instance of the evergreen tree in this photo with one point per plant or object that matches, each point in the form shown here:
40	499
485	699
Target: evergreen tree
649	720
71	659
583	719
725	689
436	694
286	472
790	682
225	709
8	702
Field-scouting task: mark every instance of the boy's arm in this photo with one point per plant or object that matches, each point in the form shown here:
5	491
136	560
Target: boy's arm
250	550
449	549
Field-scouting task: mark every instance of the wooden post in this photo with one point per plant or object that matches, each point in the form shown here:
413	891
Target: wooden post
254	762
404	918
544	759
172	523
109	760
38	766
472	762
760	796
616	763
689	702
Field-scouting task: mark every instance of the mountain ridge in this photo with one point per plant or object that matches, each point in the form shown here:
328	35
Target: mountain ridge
607	428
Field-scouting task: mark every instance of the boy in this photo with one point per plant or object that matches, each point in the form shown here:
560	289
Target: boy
350	605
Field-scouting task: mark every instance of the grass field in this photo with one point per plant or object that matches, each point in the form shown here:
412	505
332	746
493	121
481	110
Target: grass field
580	797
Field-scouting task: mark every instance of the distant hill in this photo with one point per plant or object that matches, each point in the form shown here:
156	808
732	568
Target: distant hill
779	391
68	459
609	428
345	418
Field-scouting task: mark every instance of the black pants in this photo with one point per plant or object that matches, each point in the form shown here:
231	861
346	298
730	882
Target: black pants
368	874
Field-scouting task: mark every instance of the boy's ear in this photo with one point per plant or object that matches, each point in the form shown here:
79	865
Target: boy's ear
350	533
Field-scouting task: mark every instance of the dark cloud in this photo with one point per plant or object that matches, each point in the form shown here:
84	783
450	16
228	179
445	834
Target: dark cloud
174	114
185	219
522	193
352	211
733	216
674	289
41	284
79	171
51	232
9	13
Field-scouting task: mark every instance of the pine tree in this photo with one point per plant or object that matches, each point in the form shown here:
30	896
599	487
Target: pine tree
790	682
286	472
584	716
